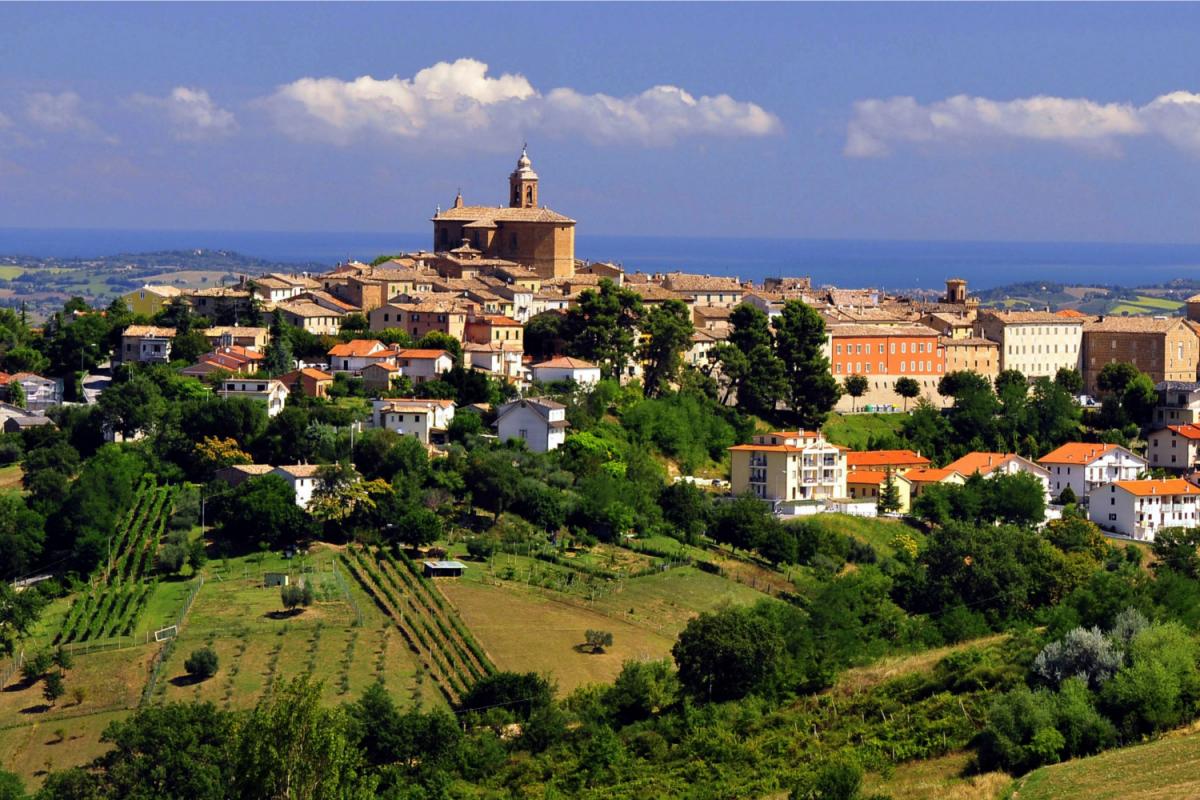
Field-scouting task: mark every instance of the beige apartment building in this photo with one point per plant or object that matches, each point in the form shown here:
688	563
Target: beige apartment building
972	354
789	466
1165	348
1035	343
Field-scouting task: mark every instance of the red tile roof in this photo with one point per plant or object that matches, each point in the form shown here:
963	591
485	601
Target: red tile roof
1076	453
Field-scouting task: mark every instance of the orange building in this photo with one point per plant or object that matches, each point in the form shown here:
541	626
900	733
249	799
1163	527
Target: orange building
898	460
882	354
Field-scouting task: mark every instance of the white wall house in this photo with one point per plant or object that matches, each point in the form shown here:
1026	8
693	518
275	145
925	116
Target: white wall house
426	419
992	464
1084	466
303	479
789	466
357	354
494	357
585	373
538	421
272	392
423	365
1175	447
1139	509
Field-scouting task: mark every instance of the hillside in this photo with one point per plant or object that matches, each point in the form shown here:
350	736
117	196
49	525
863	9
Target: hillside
1167	769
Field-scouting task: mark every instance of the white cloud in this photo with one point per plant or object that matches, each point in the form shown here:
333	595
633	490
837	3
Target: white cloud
460	101
877	126
58	112
192	114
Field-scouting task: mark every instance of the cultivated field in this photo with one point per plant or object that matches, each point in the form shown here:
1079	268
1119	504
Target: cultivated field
856	430
1168	769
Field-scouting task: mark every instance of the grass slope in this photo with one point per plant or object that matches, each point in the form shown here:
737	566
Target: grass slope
875	531
1167	769
855	430
528	628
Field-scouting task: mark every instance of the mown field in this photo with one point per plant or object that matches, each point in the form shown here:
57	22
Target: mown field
1146	304
1167	769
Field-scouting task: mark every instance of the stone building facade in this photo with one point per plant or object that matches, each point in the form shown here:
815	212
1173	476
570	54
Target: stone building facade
524	232
1165	348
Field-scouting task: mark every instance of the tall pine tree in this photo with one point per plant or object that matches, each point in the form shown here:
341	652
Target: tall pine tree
800	345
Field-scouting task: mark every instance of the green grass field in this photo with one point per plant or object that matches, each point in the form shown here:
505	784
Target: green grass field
855	430
1145	304
10	272
877	532
524	627
1167	769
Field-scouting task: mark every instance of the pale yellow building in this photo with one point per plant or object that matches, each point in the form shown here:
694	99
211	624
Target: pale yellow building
149	300
789	466
869	484
1035	343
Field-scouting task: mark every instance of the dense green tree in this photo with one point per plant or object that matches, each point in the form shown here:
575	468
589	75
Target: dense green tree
291	746
889	494
688	508
602	326
908	388
1139	399
519	694
727	654
1115	376
1069	380
279	350
189	345
543	335
132	407
855	386
800	344
201	664
262	508
668	330
176	751
1178	549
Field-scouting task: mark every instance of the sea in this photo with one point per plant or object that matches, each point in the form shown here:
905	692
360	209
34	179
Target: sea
883	264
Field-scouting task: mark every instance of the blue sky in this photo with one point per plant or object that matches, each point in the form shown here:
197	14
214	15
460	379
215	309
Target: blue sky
938	121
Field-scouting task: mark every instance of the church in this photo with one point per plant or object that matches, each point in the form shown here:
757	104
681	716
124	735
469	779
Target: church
525	232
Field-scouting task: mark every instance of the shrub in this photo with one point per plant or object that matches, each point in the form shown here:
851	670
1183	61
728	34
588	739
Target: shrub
293	596
201	664
836	780
1083	653
598	640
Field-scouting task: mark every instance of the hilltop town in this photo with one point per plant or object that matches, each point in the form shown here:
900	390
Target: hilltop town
507	522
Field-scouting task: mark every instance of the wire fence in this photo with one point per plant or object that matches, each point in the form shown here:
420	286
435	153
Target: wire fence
345	587
160	658
12	669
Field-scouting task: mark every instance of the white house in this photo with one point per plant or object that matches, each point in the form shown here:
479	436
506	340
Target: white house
538	421
40	393
145	343
1139	509
1175	447
303	480
272	392
584	373
1084	465
497	358
788	467
357	354
423	365
426	419
992	464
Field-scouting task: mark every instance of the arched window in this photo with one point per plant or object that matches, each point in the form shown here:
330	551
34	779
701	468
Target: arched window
529	196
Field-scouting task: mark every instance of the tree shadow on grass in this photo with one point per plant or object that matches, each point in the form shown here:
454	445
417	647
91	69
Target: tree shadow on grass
295	612
40	708
186	680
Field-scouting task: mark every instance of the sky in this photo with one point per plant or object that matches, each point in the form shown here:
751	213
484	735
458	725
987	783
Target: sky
1010	122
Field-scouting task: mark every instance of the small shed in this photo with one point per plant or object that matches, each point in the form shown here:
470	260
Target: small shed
444	569
275	579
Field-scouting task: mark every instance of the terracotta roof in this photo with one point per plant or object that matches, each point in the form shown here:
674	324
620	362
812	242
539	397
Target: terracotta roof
651	293
308	372
383	365
252	469
162	291
1186	431
983	463
415	353
498	320
688	282
880	458
221	330
1069	312
1076	453
1131	324
928	475
970	341
1167	486
565	362
767	448
301	470
410	403
500	214
1027	317
838	330
357	348
149	330
304	308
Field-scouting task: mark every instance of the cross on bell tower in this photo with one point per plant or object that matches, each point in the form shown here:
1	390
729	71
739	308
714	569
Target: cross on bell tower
523	183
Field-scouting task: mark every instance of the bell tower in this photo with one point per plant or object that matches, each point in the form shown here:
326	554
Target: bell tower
523	183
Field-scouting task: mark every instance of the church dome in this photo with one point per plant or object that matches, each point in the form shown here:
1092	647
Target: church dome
525	166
